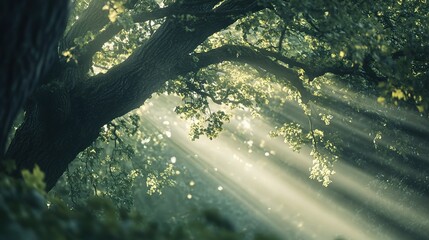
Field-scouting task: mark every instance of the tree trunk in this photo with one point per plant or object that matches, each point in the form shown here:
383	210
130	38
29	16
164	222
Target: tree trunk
30	31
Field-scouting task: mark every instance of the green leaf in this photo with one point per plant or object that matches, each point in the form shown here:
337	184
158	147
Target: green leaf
34	179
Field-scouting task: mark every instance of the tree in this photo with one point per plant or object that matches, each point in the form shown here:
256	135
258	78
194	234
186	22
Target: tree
31	31
115	54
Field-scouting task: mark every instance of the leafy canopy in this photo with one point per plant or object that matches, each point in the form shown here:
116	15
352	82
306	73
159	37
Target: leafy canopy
377	49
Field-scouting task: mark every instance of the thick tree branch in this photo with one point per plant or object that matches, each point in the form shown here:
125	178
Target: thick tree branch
250	56
52	136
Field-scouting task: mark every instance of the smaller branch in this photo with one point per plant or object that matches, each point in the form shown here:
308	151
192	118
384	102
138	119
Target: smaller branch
369	72
92	19
115	134
95	189
101	67
71	188
201	91
247	55
310	123
217	101
419	53
310	21
282	37
310	71
289	61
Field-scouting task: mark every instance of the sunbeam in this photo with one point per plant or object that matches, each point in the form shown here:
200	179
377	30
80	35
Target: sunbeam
271	182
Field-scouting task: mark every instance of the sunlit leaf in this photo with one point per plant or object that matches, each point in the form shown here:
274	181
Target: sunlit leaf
381	99
35	178
398	93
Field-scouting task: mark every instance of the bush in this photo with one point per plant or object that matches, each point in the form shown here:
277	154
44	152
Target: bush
27	213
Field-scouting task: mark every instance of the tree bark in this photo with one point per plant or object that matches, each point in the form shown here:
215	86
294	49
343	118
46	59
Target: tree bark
30	33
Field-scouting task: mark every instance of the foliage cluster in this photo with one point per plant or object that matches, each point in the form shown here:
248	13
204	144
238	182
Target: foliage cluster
124	158
27	212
